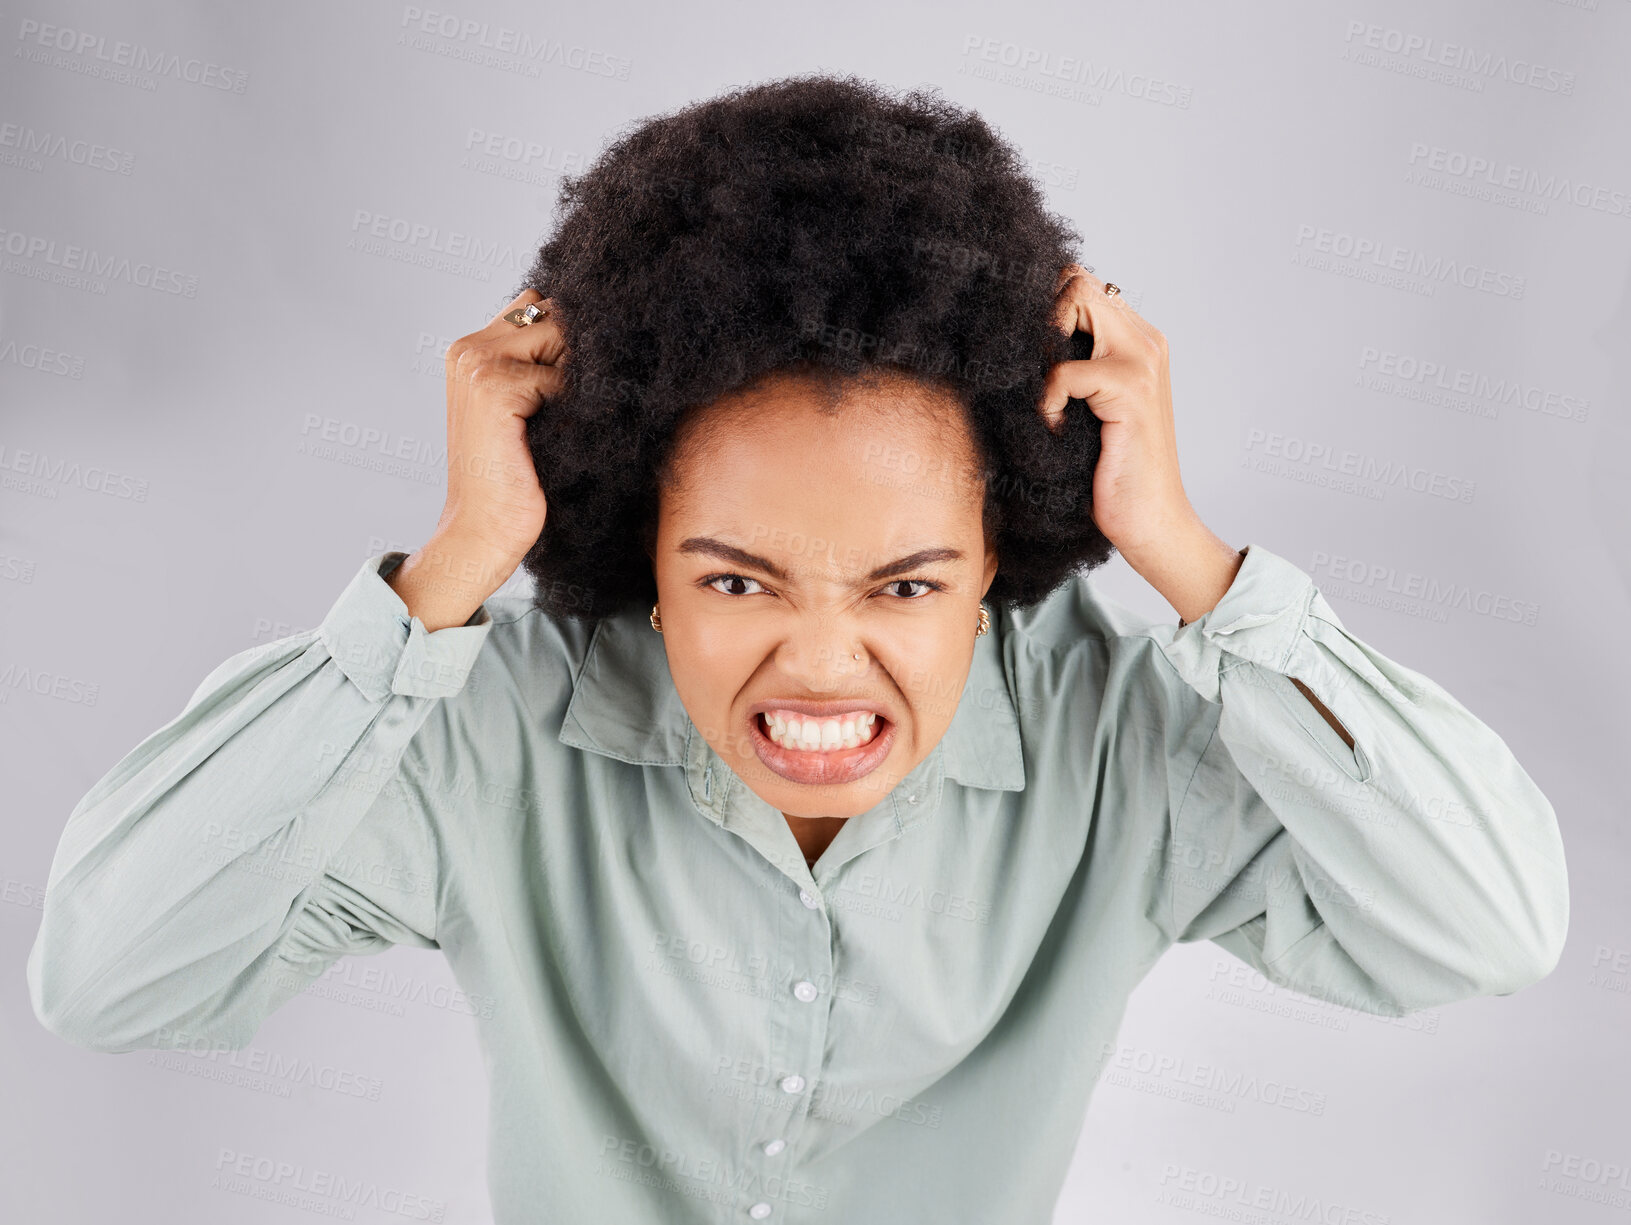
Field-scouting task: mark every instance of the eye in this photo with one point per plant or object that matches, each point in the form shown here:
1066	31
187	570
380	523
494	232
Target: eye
730	578
737	586
915	582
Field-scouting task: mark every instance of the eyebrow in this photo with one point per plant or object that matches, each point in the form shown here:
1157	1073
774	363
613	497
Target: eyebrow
710	547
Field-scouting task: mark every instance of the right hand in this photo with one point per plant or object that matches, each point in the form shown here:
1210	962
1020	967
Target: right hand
496	379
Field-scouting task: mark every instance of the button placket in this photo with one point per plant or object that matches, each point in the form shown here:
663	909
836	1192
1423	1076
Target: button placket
799	1038
807	951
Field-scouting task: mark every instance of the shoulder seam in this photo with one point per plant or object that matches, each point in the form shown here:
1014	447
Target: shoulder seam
526	611
1089	597
1021	632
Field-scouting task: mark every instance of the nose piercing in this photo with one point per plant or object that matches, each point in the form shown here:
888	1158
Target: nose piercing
857	657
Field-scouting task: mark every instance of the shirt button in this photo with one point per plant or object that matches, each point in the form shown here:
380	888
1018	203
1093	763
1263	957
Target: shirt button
911	799
772	1147
759	1211
793	1083
808	898
805	990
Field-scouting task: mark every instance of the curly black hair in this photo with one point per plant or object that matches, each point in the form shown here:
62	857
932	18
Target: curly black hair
815	224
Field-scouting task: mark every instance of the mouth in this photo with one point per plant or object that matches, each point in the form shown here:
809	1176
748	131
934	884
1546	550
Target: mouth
821	751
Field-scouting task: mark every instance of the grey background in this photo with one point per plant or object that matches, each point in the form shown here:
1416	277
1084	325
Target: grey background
186	470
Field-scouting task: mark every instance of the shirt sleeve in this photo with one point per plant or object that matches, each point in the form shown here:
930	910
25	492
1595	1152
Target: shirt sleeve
251	841
1419	867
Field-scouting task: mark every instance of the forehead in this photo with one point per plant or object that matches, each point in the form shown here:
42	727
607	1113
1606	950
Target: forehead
796	435
828	485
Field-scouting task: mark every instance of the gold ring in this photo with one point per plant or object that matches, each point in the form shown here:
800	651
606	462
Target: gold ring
523	315
1111	290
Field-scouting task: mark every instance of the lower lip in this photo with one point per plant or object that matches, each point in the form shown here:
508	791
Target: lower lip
823	769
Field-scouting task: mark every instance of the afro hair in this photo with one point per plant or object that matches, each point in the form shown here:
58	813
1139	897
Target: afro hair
815	224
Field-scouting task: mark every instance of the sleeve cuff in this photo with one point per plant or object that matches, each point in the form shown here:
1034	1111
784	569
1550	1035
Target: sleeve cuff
373	640
1259	619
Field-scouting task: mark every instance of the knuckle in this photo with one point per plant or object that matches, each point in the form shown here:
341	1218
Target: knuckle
474	366
471	354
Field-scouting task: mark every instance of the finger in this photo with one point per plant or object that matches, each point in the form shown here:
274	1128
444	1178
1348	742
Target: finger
1083	306
1093	287
503	387
1081	380
527	295
542	377
541	341
1065	273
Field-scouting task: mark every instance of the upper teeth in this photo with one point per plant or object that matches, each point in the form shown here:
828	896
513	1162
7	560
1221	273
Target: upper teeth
805	732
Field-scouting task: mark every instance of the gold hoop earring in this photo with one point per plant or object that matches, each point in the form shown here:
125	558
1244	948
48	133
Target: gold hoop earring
985	622
656	619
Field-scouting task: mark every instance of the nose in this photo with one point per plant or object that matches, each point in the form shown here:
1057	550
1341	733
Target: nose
824	655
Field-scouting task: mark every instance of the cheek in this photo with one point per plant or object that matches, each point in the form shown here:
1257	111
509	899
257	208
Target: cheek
719	649
712	663
931	676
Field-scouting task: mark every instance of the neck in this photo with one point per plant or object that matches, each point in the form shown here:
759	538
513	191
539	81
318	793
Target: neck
814	834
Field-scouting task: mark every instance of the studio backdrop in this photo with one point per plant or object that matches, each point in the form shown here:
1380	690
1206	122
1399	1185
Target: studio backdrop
1389	245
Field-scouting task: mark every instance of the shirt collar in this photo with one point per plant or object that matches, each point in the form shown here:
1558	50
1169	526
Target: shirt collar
624	705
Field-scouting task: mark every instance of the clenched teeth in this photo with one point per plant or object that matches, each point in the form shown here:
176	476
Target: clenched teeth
806	734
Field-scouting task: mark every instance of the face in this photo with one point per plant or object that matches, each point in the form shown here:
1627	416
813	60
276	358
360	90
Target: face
789	541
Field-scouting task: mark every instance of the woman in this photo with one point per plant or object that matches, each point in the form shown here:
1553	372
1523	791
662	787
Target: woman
803	836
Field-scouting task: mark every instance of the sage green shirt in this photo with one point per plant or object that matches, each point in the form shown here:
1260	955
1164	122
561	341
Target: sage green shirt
683	1022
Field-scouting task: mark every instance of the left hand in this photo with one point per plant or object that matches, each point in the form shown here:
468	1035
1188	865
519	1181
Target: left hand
1138	497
